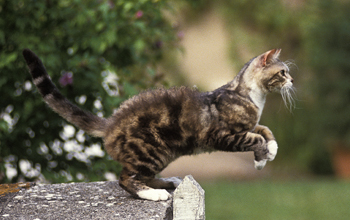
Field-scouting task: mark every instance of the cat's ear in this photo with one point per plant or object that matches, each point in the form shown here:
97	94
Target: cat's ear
269	56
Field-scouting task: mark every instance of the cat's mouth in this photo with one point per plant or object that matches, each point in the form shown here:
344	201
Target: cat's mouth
288	92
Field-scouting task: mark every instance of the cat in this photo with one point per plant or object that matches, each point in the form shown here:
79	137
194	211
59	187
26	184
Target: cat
153	128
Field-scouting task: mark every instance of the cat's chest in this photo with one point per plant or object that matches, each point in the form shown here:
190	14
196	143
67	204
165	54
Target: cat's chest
258	98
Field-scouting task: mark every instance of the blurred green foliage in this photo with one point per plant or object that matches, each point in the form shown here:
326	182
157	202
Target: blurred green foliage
111	48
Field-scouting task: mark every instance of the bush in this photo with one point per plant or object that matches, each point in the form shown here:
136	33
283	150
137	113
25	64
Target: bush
98	53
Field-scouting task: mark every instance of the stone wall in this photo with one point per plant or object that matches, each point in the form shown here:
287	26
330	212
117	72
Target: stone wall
96	200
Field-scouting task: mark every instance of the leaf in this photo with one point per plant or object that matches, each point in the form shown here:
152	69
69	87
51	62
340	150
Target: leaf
128	6
2	37
100	26
139	45
3	81
129	89
3	126
6	59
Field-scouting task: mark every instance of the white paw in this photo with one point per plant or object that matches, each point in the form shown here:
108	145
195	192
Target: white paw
272	147
259	164
154	194
175	180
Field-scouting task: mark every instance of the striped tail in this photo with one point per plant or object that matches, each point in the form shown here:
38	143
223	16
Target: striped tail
87	121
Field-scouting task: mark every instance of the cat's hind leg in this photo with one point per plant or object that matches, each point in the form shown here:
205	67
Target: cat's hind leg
164	183
136	185
153	194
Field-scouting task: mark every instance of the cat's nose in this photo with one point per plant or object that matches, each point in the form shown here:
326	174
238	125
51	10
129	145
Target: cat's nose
292	80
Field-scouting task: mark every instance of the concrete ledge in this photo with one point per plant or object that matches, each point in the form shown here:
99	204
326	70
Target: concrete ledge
95	200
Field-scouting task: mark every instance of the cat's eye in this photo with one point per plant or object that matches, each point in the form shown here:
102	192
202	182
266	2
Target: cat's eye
283	73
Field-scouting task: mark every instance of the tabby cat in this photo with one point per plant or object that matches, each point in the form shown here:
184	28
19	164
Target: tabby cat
152	129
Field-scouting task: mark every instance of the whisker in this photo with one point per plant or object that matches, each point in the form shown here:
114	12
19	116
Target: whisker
288	93
291	64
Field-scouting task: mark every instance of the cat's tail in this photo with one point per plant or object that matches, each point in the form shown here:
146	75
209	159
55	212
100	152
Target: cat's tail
87	121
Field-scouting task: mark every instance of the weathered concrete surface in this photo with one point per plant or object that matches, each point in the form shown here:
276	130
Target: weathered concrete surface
96	200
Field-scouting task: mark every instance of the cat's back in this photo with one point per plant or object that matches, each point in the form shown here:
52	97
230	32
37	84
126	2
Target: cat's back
159	106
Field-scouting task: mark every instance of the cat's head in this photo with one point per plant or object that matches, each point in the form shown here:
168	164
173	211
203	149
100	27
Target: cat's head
272	75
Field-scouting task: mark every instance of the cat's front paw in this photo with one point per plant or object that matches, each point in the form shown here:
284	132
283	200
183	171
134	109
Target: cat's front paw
272	148
259	164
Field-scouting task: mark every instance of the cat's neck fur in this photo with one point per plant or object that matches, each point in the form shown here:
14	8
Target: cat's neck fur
257	96
249	86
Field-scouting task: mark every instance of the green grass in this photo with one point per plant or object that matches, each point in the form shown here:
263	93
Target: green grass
297	200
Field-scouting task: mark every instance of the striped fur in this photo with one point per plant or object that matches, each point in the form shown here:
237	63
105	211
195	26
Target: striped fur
154	128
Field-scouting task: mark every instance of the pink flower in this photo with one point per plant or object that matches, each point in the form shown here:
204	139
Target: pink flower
139	14
66	79
180	35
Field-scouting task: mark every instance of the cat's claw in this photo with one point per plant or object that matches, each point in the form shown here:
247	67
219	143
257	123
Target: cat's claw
154	194
260	164
272	147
